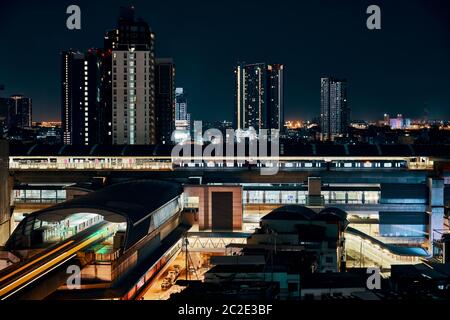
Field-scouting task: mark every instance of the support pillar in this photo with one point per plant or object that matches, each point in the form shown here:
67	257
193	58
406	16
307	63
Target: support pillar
5	193
435	212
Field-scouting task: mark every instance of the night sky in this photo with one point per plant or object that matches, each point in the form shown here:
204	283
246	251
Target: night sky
402	68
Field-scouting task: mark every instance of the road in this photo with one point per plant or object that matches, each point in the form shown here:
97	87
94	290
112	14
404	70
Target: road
155	292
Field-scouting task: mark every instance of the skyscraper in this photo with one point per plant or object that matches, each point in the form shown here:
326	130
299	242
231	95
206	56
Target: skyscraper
275	96
81	75
20	112
16	112
259	95
334	111
182	117
133	83
180	104
165	99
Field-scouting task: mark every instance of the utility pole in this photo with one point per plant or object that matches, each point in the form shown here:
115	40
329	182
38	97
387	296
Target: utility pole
186	242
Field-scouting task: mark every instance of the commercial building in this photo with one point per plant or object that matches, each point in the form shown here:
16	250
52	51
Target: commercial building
396	196
334	110
296	253
400	122
259	96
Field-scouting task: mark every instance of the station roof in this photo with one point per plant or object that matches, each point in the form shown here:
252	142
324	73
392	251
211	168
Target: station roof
290	212
287	150
132	202
298	212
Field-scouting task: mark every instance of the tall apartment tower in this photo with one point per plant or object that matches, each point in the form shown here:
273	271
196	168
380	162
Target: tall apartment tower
275	96
133	80
80	97
164	99
259	94
334	111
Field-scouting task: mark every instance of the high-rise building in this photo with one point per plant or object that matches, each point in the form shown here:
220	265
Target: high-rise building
180	104
133	83
16	112
4	111
259	95
182	117
334	111
164	99
80	112
275	96
20	112
105	99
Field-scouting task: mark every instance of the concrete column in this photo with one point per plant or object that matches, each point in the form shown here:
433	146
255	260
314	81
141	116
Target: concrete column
435	211
314	186
5	193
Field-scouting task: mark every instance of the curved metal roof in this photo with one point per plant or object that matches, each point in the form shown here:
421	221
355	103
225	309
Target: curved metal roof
298	212
290	212
132	202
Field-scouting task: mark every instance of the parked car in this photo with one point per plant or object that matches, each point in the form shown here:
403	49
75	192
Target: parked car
172	275
165	284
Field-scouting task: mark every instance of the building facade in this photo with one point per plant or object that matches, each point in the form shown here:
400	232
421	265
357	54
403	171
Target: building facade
165	99
133	81
259	96
5	192
183	125
80	114
181	110
334	111
16	112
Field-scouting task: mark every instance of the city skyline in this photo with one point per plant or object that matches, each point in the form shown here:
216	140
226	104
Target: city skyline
399	69
224	159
